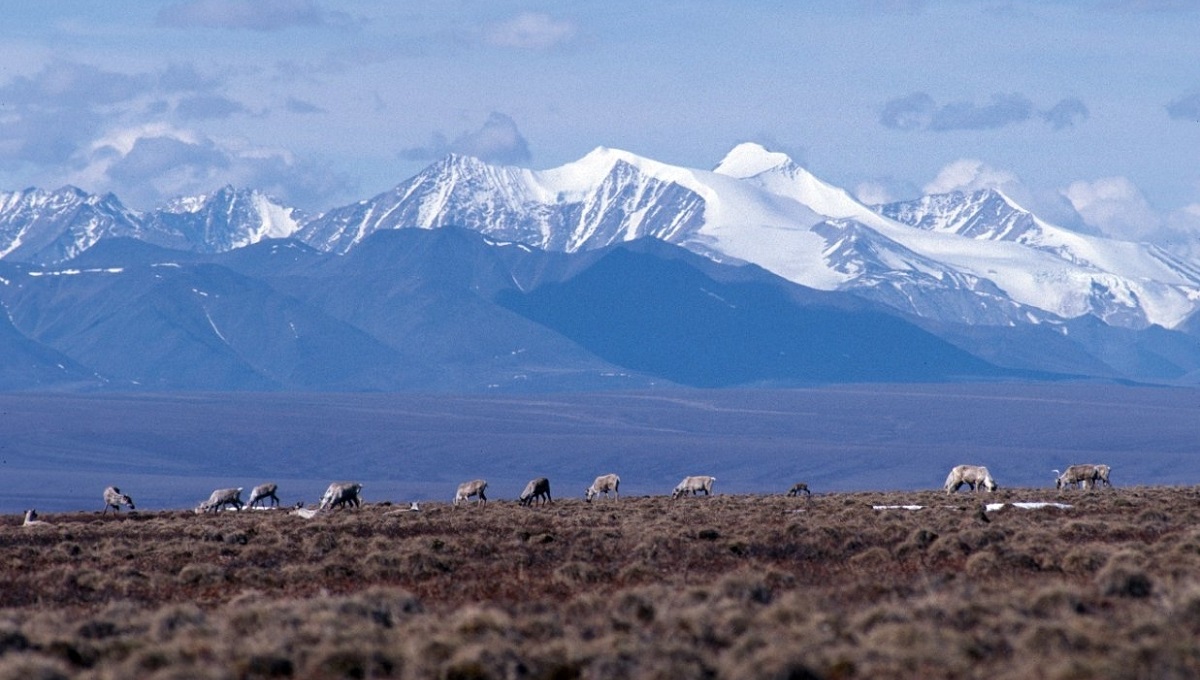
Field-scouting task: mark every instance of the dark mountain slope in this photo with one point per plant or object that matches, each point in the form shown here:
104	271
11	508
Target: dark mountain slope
666	318
429	295
198	327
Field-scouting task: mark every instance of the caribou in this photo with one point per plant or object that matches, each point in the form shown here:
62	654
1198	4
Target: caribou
31	519
799	488
1084	475
262	493
694	485
220	498
341	494
975	476
113	498
466	490
535	490
602	485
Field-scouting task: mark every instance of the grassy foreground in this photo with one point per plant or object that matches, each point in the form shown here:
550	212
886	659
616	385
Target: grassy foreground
721	587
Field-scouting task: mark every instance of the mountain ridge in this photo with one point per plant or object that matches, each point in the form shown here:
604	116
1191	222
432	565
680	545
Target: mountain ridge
756	206
470	276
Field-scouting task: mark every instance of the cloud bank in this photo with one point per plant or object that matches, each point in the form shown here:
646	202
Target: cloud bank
256	15
79	124
969	175
149	163
1115	206
498	141
919	111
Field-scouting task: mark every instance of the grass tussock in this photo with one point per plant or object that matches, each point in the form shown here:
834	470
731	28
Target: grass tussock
721	587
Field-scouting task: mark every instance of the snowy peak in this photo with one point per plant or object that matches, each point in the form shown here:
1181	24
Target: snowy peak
986	214
968	258
608	196
777	174
222	220
42	227
964	258
49	227
573	181
749	159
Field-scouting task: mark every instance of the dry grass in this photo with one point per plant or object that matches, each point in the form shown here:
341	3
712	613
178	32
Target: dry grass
721	587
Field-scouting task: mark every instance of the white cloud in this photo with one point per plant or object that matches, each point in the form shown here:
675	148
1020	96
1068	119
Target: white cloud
530	31
1116	207
873	193
968	174
919	111
497	141
1190	215
1183	232
148	164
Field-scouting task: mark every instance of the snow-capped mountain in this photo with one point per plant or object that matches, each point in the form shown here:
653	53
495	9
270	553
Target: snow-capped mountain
50	227
44	227
1067	273
604	198
965	258
222	220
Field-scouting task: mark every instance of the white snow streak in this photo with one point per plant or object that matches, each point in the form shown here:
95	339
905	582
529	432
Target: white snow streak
214	327
76	272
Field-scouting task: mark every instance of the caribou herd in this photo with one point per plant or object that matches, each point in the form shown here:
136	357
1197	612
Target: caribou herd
537	491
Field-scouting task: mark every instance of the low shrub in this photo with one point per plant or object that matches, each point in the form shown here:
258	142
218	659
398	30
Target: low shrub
727	587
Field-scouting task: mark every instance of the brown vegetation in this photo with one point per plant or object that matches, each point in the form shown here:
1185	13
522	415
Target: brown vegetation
721	587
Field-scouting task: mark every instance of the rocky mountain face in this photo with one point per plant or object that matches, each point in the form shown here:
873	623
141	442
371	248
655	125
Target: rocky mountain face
974	258
612	271
447	309
46	227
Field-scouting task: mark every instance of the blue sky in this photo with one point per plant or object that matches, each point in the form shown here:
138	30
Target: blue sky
1087	111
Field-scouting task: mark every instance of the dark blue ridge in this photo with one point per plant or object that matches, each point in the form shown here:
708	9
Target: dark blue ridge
666	318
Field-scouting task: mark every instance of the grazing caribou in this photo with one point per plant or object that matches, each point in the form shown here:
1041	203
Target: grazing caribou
1084	475
220	498
975	476
799	488
113	498
262	493
602	485
341	494
535	490
466	490
694	485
